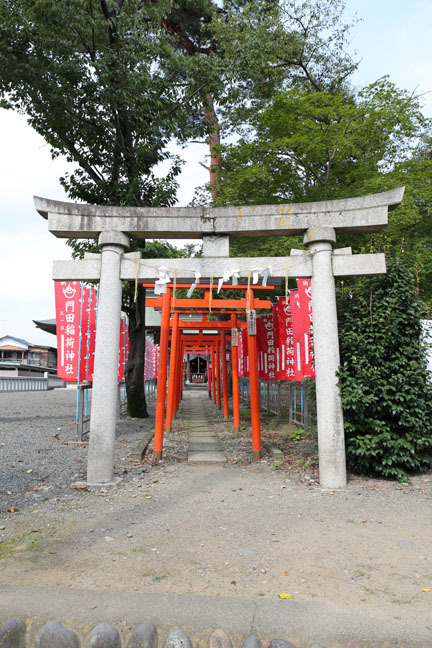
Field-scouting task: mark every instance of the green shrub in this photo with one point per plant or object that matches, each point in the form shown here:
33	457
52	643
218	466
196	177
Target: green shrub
386	395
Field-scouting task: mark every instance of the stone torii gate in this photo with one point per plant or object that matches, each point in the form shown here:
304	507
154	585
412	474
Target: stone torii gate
318	222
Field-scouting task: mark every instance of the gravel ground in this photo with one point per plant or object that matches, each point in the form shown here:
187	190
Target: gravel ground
39	455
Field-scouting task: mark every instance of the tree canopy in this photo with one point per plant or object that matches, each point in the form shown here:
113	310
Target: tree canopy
101	83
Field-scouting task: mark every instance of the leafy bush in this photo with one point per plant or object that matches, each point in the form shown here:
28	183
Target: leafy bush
386	396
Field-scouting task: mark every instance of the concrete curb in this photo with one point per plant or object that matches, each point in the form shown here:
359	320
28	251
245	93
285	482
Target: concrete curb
300	622
271	449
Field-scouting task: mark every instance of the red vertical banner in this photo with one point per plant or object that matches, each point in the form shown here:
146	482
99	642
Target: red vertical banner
284	341
68	312
243	357
267	362
149	368
155	361
76	318
240	355
147	358
305	297
93	305
88	332
121	355
261	348
298	341
271	348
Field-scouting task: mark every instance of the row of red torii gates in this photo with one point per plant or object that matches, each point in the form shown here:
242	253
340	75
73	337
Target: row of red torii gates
182	341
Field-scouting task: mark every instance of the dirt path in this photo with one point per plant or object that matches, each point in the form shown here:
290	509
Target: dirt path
233	530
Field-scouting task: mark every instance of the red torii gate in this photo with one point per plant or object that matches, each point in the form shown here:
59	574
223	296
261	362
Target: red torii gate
170	303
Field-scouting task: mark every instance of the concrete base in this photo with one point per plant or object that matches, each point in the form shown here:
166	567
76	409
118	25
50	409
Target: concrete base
139	451
85	484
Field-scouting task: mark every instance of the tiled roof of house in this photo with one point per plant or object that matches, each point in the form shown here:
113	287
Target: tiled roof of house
12	337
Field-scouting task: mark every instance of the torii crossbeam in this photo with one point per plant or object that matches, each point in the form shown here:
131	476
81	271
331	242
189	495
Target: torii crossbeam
318	222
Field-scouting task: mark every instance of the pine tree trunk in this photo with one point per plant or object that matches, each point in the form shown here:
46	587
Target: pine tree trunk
214	145
134	375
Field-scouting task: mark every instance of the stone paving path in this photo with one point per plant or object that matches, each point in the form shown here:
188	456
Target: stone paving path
203	445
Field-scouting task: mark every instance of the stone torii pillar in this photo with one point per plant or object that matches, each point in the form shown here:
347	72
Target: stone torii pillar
331	438
104	393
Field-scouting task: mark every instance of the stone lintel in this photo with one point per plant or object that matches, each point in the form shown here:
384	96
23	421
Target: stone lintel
70	220
77	269
345	250
134	256
358	264
344	265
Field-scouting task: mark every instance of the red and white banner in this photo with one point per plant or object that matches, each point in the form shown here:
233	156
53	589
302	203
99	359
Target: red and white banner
68	296
284	339
266	348
243	357
76	315
156	352
148	362
298	340
123	348
305	297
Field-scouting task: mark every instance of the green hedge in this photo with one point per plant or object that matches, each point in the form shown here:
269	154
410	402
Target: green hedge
386	393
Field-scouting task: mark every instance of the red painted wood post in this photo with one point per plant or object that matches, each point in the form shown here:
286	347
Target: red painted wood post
235	377
172	387
224	374
254	392
162	375
218	375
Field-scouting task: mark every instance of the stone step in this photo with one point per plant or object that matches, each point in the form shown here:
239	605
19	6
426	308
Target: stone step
206	457
203	446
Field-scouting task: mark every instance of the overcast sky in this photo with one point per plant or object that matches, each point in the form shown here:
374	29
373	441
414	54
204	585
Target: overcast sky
394	38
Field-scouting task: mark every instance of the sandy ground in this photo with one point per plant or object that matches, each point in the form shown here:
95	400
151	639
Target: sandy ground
237	529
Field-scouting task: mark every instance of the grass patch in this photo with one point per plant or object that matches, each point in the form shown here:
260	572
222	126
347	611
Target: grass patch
140	550
25	542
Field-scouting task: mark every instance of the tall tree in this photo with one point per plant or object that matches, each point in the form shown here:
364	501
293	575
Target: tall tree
100	81
309	146
244	52
189	23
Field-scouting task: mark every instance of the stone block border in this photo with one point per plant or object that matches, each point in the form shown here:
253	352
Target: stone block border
14	634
